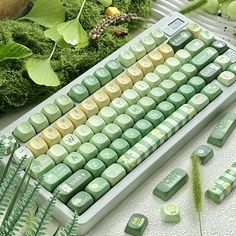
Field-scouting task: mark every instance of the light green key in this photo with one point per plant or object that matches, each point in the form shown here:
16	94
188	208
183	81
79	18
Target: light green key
113	174
138	50
157	94
173	63
112	131
148	42
114	67
58	153
103	75
119	105
232	69
132	136
108	114
96	123
163	71
224	61
195	46
147	104
75	161
152	79
88	151
70	142
169	86
130	96
199	101
100	141
56	176
187	91
52	112
176	99
124	121
84	133
136	112
158	35
64	103
38	121
198	83
108	156
41	165
179	78
78	92
155	117
120	146
166	108
227	78
189	70
91	83
24	132
183	56
207	37
142	88
212	91
127	58
143	126
95	167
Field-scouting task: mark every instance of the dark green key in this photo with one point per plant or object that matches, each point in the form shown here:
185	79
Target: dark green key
205	57
171	184
108	156
232	69
204	153
155	117
223	129
166	108
81	202
144	126
179	40
91	83
187	91
103	75
73	184
210	72
78	92
197	82
176	99
220	46
120	146
132	136
212	91
95	167
114	67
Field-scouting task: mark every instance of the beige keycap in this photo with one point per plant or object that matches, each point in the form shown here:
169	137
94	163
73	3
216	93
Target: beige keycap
89	107
135	73
37	146
145	65
64	126
51	136
166	50
195	29
113	90
156	57
101	99
77	117
124	82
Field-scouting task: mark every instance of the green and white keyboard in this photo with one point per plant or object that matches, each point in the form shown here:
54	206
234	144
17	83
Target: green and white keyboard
102	135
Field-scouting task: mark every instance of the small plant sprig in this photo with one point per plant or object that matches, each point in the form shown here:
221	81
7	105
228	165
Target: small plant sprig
70	228
194	6
1	150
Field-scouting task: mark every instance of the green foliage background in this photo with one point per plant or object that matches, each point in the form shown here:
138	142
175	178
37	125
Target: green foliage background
17	90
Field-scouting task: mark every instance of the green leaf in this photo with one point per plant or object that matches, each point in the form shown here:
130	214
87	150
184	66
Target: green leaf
47	13
13	51
41	72
73	33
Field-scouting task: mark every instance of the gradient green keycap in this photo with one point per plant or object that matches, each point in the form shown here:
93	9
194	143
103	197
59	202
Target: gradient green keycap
81	202
88	151
124	121
108	114
64	103
176	99
132	136
100	141
96	123
227	78
187	91
108	156
189	70
173	63
148	42
179	78
199	101
147	104
112	131
152	79
103	75
84	133
24	132
142	88
171	184
38	121
204	153
166	108
207	37
197	82
97	188
220	46
78	92
138	50
73	185
136	112
119	105
58	153
212	91
127	58
224	61
120	146
144	126
114	67
55	176
130	96
158	95
70	142
95	167
155	117
91	83
52	112
169	86
163	71
75	161
210	72
183	55
195	46
232	69
158	35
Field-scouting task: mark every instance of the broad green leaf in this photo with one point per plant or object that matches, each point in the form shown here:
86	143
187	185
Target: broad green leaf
47	13
73	32
13	51
41	72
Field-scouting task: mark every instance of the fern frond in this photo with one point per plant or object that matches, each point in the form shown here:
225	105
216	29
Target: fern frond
222	1
42	218
70	228
194	6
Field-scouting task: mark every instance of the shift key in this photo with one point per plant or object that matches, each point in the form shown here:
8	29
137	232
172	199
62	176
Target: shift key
223	129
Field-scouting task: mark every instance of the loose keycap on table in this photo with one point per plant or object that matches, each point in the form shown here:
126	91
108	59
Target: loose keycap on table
204	153
170	213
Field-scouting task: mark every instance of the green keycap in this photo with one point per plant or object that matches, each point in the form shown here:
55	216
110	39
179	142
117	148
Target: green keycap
113	174
227	78
142	88
148	42
119	105
170	213
130	96
120	146
78	92
144	126
75	161
204	153
223	129
205	57
189	70
163	71
179	78
158	35
23	152
108	156
24	132
171	184
41	165
212	91
112	131
224	61
97	188
55	176
136	112
179	40
210	72
166	108
127	58
199	101
232	69
136	225
84	133
124	121
158	95
187	91
91	83
95	123
197	82
52	112
73	185
38	121
155	117
108	114
173	63
152	79
64	103
195	46
70	142
81	202
138	50
176	99
9	143
207	37
58	153
132	136
183	55
88	151
103	75
147	104
169	86
114	67
95	167
220	46
100	141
